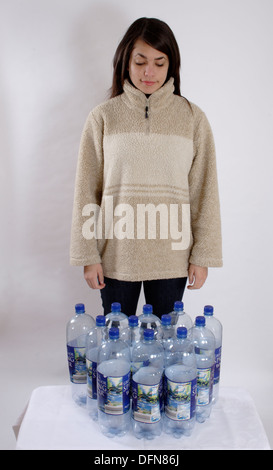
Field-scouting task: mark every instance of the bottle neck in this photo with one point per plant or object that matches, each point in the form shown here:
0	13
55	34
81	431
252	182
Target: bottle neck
148	341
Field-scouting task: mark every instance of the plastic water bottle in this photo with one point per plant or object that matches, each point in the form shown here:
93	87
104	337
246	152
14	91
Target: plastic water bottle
180	386
113	386
147	386
76	331
134	332
148	320
181	318
117	319
215	326
204	343
94	340
167	330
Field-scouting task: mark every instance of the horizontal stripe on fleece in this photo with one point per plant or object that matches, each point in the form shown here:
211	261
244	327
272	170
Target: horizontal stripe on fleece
151	161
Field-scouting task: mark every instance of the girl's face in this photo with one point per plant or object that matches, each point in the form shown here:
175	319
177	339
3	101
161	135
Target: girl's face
148	67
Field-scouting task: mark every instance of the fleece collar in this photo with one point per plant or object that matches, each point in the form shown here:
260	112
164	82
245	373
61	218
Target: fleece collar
160	99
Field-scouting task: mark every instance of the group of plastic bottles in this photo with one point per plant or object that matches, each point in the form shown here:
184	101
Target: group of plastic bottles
142	372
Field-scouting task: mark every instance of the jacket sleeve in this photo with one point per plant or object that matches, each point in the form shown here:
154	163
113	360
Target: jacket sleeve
204	199
88	190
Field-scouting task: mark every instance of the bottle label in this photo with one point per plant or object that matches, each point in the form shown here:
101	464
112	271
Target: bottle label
113	394
91	379
180	399
146	402
76	364
204	386
218	353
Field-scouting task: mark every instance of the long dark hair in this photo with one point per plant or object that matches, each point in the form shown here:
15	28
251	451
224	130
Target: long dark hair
158	35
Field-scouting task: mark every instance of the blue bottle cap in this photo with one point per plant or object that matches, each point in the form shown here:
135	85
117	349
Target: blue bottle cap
182	332
147	309
133	320
79	308
208	310
200	321
178	306
114	333
100	320
166	320
115	307
149	334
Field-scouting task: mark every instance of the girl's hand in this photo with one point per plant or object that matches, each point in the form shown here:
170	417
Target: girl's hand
93	275
197	276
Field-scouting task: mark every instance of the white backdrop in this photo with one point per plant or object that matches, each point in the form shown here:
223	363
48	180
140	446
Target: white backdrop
56	65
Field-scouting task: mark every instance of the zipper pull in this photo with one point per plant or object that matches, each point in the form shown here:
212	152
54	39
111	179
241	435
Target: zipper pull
146	112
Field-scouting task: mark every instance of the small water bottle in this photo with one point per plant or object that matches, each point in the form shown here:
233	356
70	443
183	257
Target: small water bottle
214	325
204	343
181	318
76	331
117	319
113	385
167	330
148	320
180	386
94	340
147	386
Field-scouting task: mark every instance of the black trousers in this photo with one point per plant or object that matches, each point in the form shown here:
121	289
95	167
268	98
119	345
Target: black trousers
160	293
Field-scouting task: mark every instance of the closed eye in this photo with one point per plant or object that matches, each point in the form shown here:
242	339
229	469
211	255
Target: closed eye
143	63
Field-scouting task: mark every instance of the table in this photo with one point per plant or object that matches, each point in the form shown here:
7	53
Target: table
53	421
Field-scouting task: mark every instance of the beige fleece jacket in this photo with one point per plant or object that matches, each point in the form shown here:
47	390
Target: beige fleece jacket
146	196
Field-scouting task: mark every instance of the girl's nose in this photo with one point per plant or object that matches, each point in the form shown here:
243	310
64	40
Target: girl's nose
149	70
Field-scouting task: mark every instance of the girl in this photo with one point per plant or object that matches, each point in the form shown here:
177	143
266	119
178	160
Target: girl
146	207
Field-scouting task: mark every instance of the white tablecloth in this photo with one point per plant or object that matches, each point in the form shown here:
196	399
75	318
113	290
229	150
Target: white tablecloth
53	421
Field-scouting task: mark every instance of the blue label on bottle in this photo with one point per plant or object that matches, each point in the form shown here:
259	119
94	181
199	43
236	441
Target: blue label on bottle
76	364
147	401
91	379
204	386
218	353
113	393
180	399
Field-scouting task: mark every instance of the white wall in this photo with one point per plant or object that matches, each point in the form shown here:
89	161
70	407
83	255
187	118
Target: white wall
56	59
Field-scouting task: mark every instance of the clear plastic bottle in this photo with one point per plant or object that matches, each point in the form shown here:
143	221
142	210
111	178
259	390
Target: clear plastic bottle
94	340
181	318
180	386
148	320
204	343
216	327
117	319
134	332
147	386
113	385
76	331
167	330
